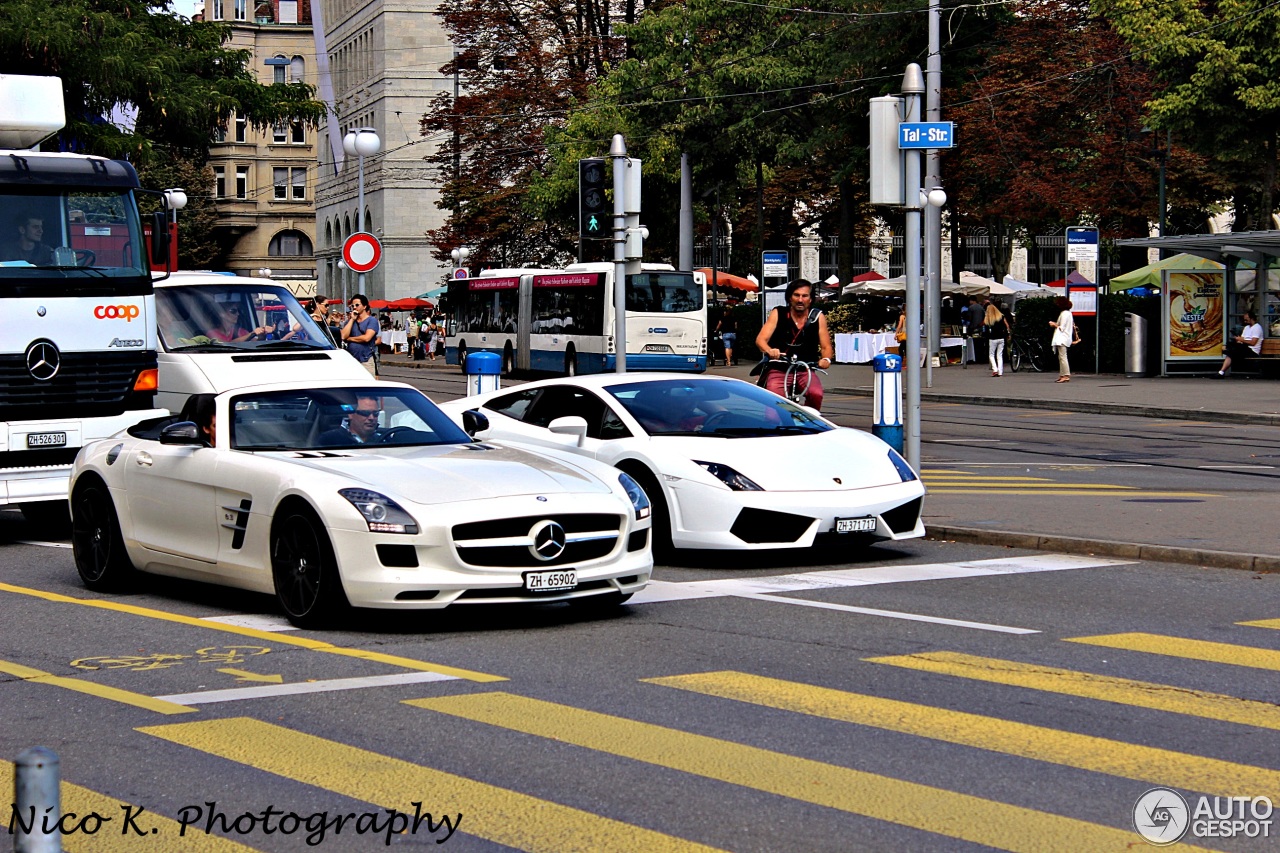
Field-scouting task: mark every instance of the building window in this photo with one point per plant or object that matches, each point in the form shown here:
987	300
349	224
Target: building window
297	134
215	10
242	181
297	67
242	129
289	183
288	12
280	134
292	244
219	182
220	133
277	71
242	10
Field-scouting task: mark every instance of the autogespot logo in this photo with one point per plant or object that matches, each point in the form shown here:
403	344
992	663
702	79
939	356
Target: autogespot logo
1161	816
116	312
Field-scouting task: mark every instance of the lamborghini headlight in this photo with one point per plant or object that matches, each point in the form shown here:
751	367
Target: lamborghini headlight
904	467
731	478
382	514
639	499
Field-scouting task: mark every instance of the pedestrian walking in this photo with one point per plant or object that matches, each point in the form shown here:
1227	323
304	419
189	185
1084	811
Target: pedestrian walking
411	329
1064	335
728	329
433	337
995	326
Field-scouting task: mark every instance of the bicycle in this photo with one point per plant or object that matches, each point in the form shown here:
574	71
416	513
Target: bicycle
1028	352
796	379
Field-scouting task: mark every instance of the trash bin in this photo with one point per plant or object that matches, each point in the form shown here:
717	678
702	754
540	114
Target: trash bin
1135	345
484	372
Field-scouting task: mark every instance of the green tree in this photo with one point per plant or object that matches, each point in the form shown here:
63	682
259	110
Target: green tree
135	55
1219	68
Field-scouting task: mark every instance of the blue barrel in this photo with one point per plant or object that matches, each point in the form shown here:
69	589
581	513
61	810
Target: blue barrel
484	372
886	414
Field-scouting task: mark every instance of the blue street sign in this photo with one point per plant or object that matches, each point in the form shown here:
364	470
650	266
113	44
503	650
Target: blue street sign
1082	243
774	264
927	134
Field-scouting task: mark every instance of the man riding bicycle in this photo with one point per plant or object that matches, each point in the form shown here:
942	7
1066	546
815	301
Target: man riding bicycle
796	329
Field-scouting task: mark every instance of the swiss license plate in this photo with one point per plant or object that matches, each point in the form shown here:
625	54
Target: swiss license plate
46	439
855	525
550	581
657	348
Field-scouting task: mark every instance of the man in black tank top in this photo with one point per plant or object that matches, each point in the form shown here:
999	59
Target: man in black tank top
799	330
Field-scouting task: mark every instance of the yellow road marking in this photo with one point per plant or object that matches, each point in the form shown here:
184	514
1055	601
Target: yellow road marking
1262	623
1180	647
497	814
1045	414
102	691
1069	749
278	638
110	839
884	798
1105	688
928	481
245	675
966	475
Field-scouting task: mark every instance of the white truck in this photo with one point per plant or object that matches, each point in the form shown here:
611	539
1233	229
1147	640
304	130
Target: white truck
78	339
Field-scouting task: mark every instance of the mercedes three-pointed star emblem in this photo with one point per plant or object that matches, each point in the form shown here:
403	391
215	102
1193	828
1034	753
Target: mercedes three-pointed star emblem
548	540
43	360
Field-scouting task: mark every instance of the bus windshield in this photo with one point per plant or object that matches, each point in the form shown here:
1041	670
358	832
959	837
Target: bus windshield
663	293
76	233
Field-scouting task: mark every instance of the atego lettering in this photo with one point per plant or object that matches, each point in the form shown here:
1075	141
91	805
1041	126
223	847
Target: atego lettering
116	312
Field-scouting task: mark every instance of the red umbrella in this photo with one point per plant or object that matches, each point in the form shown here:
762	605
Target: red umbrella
869	275
409	303
724	279
378	303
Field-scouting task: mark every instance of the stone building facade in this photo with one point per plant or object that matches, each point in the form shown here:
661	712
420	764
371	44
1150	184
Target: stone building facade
265	182
384	61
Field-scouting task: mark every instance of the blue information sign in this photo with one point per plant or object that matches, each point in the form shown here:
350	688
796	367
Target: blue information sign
774	264
927	134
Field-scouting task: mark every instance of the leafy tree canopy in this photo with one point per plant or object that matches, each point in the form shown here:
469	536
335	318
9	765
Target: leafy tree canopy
126	55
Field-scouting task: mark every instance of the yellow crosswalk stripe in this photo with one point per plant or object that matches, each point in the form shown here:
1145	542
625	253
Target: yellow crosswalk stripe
274	636
1069	749
1068	491
1082	486
499	815
1105	688
910	804
110	839
102	691
1262	623
1180	647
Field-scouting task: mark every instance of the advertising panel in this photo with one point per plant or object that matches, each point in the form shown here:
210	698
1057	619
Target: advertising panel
1194	310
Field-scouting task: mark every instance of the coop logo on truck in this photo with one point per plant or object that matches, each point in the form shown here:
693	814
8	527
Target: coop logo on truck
116	312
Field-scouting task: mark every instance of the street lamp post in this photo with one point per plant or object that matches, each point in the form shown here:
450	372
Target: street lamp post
360	143
174	200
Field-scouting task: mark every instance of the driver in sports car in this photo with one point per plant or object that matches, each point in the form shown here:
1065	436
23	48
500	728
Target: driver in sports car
360	426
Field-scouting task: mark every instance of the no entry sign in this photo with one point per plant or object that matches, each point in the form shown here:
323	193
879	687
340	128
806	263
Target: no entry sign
362	252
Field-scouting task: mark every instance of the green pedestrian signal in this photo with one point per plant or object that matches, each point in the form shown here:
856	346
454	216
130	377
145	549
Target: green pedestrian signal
592	201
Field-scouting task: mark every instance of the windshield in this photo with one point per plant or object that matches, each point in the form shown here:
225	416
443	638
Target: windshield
218	317
82	233
663	293
713	407
325	418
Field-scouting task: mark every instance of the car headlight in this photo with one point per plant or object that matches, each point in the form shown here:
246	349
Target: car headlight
382	514
639	499
904	468
731	478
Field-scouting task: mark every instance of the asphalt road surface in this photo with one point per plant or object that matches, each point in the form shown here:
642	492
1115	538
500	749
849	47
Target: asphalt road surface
907	696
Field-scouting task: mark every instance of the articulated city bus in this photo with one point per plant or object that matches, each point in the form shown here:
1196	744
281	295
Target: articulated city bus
562	320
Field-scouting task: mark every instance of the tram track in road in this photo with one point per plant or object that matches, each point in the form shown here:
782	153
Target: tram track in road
1021	437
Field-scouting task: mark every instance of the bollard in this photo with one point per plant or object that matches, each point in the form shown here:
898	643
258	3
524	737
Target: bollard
36	799
484	372
886	415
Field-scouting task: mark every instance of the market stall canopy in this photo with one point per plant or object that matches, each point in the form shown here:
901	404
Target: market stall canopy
433	293
1152	274
894	286
1074	277
994	288
726	279
869	275
409	303
1027	289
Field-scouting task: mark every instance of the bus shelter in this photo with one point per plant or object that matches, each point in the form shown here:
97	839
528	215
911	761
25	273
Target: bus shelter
1201	307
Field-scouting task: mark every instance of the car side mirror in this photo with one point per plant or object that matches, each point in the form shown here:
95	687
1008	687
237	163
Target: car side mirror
474	422
183	432
572	425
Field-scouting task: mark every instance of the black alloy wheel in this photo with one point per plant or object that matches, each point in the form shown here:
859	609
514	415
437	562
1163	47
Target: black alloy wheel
97	544
305	571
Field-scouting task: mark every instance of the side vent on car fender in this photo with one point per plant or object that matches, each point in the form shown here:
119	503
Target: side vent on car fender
236	519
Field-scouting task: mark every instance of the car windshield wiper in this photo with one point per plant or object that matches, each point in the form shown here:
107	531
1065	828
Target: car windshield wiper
681	432
289	345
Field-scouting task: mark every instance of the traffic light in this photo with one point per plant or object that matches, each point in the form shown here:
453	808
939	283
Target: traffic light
593	219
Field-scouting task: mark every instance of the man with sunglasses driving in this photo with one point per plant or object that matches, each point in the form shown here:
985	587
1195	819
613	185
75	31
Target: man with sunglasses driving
360	425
